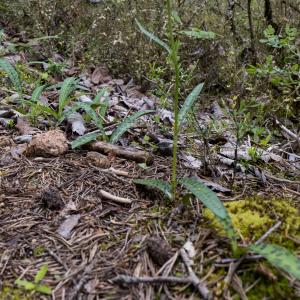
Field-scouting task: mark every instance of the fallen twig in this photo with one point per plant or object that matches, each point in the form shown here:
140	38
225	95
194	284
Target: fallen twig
232	260
263	237
119	172
287	131
126	152
281	179
124	279
114	198
203	290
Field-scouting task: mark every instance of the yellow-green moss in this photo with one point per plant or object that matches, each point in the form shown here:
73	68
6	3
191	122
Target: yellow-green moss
252	217
10	293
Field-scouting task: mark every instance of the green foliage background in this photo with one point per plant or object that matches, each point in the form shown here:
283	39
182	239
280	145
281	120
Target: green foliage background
107	33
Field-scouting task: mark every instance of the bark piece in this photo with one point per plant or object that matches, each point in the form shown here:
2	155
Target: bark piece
97	159
126	152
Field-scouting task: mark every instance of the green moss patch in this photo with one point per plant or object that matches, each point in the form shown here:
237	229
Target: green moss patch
252	217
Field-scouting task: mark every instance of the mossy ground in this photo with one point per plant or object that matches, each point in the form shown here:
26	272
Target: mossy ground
251	218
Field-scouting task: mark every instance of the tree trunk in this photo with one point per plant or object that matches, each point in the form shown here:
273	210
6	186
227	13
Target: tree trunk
251	31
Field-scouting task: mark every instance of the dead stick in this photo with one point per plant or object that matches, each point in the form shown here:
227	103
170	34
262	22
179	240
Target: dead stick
126	152
203	290
288	132
263	237
115	198
151	280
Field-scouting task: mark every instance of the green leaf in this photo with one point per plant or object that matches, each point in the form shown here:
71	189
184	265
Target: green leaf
82	140
12	74
126	124
151	36
213	203
158	184
41	273
92	113
189	102
36	94
199	34
26	284
67	88
43	289
279	257
103	110
48	110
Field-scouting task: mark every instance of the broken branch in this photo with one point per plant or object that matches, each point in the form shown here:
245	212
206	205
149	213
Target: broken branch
126	152
124	279
203	290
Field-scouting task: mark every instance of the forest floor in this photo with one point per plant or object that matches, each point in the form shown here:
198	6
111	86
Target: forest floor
53	212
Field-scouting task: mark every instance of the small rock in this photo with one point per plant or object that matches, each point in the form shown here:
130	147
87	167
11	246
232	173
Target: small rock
51	199
50	143
97	159
159	250
26	138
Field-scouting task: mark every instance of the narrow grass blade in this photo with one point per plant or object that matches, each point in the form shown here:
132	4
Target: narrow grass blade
158	184
48	111
41	273
36	94
12	74
189	102
151	36
126	124
279	257
82	140
213	203
67	88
